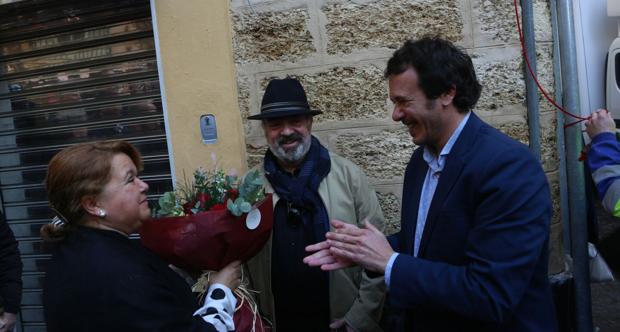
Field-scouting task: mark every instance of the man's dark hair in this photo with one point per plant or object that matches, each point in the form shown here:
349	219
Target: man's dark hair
440	66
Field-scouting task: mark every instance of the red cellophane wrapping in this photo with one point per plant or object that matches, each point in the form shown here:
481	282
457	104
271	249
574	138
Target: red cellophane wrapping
208	240
245	321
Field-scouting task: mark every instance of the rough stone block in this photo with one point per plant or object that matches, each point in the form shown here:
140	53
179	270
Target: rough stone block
495	22
519	130
270	36
382	154
387	24
548	140
255	154
542	20
516	130
503	88
243	98
390	205
554	187
344	93
544	73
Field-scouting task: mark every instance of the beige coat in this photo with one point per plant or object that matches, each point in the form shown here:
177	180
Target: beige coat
347	196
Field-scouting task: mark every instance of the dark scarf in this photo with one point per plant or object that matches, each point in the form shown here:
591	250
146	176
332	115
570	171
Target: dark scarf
302	190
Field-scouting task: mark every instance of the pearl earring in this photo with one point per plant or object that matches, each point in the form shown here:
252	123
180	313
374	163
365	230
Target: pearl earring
101	213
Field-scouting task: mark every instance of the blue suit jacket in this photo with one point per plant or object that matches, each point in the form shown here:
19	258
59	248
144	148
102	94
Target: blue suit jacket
482	263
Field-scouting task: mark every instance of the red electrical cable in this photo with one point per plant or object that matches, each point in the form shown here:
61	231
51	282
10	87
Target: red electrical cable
529	67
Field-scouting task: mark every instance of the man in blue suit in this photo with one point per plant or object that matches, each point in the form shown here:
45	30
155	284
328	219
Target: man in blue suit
472	251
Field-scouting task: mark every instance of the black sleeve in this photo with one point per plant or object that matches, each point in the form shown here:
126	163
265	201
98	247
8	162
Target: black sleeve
10	269
147	302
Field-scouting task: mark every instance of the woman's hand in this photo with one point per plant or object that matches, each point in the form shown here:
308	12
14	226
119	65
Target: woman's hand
220	302
229	275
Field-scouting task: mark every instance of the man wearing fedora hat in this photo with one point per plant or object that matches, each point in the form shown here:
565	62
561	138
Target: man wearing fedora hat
311	186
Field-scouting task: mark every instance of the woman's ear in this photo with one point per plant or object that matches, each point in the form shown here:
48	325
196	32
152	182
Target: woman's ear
90	205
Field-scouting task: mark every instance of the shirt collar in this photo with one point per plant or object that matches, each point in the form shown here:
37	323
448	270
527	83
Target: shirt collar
436	164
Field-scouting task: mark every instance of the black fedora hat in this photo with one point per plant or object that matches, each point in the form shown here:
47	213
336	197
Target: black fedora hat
284	97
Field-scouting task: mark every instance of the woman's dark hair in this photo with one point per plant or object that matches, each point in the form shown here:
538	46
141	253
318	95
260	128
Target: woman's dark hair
76	172
440	66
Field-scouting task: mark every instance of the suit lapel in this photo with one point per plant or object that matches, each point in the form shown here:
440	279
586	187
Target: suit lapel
447	179
455	162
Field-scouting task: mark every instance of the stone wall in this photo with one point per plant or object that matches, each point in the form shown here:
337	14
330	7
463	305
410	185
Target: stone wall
338	50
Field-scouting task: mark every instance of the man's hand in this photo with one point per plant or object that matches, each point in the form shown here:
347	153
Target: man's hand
367	246
600	122
7	322
340	324
324	258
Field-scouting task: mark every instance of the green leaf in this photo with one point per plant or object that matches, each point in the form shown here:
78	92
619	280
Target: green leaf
239	206
231	180
252	187
234	209
245	207
167	203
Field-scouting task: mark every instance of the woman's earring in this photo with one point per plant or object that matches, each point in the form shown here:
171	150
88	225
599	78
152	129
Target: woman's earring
101	213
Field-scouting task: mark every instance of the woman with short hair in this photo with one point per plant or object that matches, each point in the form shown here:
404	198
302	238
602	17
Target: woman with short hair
99	279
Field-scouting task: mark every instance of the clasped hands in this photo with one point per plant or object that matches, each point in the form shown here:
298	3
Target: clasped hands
347	245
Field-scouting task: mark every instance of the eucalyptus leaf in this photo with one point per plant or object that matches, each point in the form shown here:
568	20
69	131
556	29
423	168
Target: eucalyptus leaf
233	208
245	207
167	203
231	179
251	186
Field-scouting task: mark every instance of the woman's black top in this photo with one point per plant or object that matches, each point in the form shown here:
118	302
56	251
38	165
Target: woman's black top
100	280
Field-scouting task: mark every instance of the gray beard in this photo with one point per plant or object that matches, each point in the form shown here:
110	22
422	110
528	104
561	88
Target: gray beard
292	156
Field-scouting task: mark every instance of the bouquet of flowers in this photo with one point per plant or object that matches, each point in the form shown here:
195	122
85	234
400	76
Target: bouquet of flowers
210	221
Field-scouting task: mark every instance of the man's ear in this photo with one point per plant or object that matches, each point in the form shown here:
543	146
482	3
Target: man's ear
447	97
90	205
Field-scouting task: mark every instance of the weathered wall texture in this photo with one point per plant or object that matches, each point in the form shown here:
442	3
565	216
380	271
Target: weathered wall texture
338	49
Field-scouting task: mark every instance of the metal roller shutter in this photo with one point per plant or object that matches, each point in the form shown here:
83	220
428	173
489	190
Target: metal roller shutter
71	72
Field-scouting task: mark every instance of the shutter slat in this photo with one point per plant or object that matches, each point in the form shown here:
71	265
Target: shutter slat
71	72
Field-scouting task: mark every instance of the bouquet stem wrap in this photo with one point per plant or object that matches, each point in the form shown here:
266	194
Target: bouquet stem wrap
246	316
